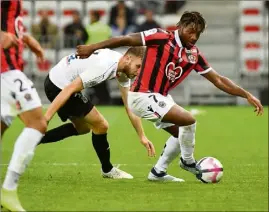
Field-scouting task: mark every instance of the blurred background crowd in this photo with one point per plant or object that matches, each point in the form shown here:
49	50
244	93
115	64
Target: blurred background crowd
231	43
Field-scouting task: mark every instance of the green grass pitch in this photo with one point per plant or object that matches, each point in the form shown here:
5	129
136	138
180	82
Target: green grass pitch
66	176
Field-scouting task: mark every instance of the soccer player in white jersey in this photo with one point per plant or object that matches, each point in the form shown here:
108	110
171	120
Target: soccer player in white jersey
63	88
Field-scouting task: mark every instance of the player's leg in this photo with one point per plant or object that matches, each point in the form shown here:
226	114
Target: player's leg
65	130
165	113
7	112
186	135
181	140
170	151
4	127
150	106
59	133
99	127
29	107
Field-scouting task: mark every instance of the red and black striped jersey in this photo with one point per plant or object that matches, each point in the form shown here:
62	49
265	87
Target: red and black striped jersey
11	21
166	62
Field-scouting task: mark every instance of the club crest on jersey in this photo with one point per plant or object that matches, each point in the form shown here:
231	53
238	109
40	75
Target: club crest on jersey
162	104
191	55
172	72
192	59
28	97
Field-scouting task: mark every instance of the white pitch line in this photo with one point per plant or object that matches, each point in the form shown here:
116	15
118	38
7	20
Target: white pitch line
117	165
79	164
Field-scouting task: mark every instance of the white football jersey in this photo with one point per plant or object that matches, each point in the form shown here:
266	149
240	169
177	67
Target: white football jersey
100	66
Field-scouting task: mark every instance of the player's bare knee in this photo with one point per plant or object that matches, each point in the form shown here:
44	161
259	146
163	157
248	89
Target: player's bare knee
101	127
38	123
191	120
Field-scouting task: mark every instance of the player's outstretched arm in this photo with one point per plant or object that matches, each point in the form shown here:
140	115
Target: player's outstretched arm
228	86
63	96
136	122
34	45
134	39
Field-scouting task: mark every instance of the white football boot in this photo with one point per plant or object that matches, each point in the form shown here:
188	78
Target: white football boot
10	200
163	176
116	173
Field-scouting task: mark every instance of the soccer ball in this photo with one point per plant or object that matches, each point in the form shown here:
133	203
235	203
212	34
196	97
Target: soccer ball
210	170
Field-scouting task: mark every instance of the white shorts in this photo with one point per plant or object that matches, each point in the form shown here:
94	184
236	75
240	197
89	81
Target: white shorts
17	95
151	106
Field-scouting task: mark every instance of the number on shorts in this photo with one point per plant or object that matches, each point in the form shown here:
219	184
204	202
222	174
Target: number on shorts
20	82
154	98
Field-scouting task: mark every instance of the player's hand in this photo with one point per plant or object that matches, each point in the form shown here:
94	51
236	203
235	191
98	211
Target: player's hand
149	146
47	118
8	40
40	55
256	103
84	51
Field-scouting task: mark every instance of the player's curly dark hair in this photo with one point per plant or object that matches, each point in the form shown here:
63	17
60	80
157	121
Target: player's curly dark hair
194	18
137	51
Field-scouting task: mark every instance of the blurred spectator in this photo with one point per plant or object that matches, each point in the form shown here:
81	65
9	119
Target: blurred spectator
119	9
172	6
149	22
75	33
45	31
121	27
156	6
97	31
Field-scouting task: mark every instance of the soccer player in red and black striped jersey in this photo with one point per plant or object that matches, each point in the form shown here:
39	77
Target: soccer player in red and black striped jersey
170	57
18	98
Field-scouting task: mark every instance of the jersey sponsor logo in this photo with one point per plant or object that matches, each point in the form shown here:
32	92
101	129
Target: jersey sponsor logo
172	72
96	81
150	32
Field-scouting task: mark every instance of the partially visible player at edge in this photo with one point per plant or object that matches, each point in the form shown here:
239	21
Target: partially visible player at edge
18	97
170	57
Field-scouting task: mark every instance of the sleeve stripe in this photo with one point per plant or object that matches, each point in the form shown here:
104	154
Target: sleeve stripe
143	38
205	71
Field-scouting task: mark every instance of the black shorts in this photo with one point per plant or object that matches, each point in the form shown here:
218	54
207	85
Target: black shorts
76	106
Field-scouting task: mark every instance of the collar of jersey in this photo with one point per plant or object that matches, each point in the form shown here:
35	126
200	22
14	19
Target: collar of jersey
178	39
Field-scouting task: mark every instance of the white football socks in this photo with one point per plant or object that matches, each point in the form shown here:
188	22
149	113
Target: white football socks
170	152
186	137
21	157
